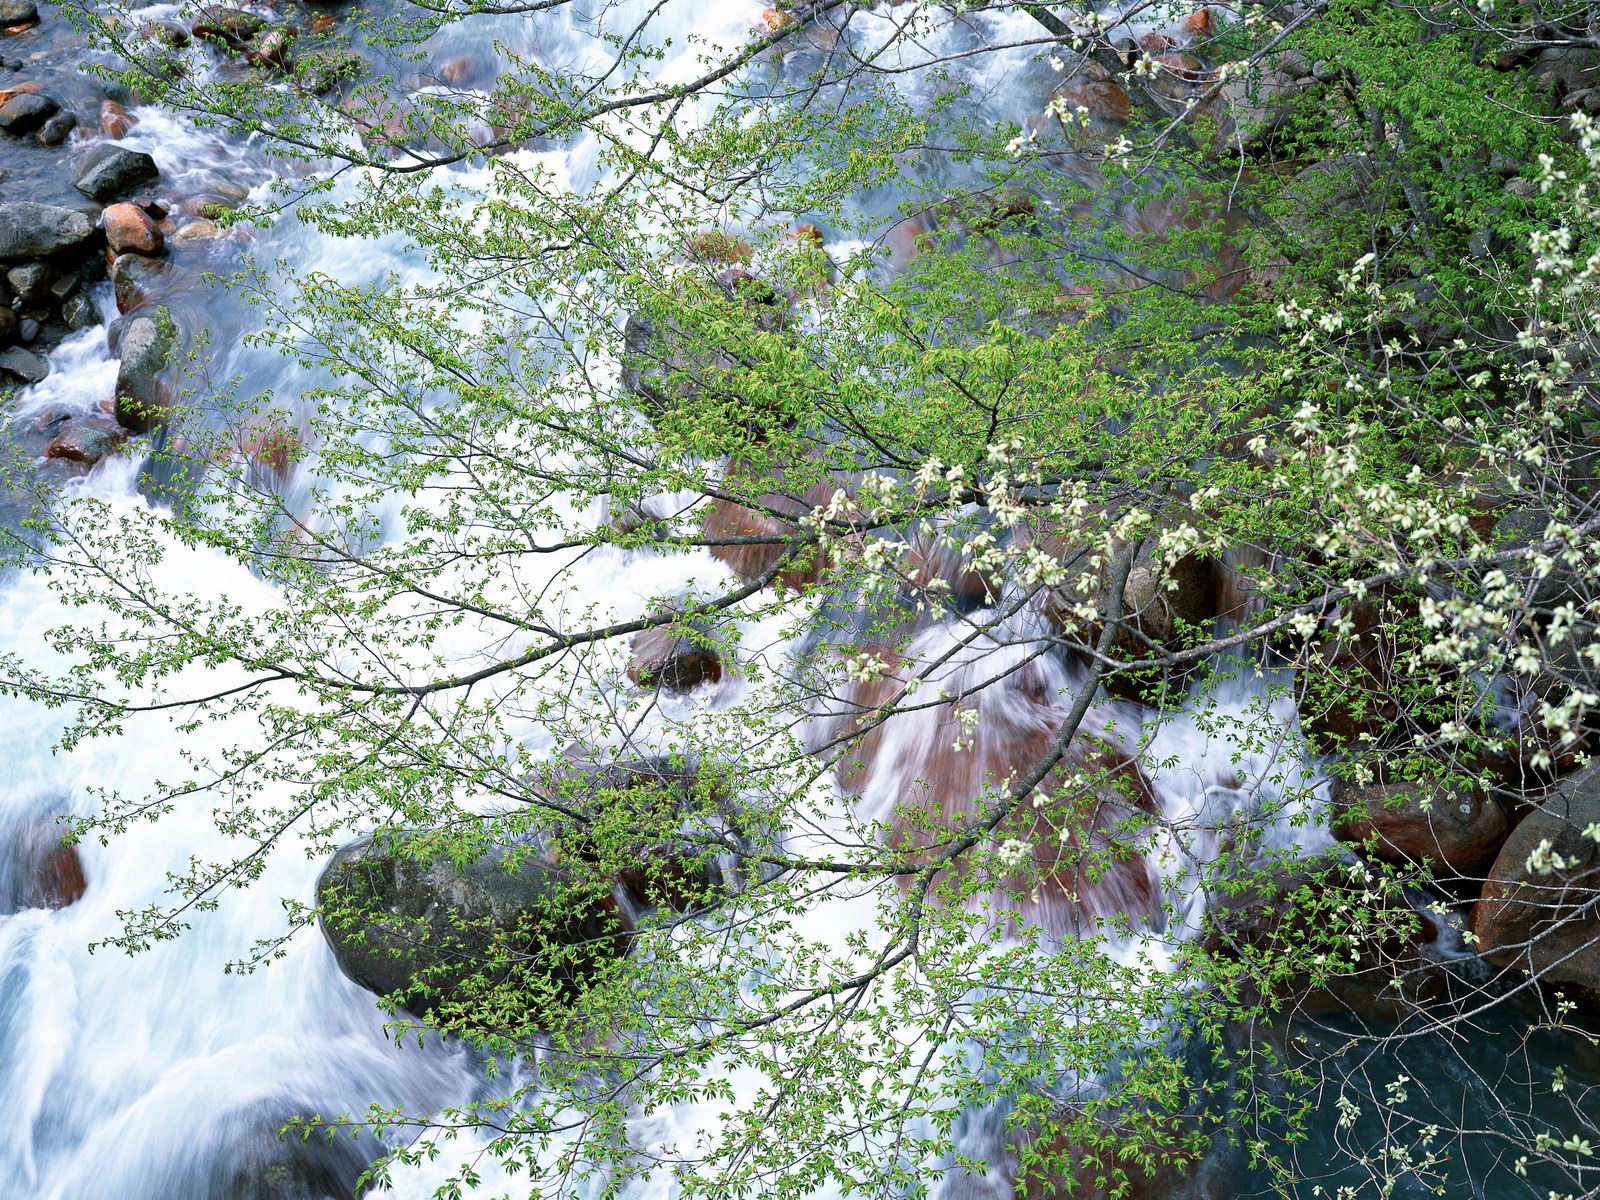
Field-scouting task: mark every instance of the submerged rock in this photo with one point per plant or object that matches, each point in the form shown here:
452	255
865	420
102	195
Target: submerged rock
437	937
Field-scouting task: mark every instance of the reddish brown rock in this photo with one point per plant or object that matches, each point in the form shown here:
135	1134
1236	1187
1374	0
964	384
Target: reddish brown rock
38	871
714	246
775	21
1094	89
130	230
1199	24
672	659
85	442
60	878
769	536
115	121
1458	830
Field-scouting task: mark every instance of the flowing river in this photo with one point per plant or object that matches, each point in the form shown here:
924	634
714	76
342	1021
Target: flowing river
162	1075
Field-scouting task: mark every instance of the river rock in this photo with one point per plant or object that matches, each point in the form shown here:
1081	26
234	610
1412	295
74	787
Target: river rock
86	442
229	27
37	870
23	365
654	823
324	70
1459	830
109	170
18	12
198	230
130	230
79	313
115	120
272	48
134	279
29	282
25	113
140	397
1540	908
667	365
29	230
9	327
57	129
1277	911
406	923
673	658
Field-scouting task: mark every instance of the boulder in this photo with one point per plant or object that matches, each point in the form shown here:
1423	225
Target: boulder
1459	830
29	230
1312	931
23	366
1540	908
1155	616
273	47
25	113
86	442
109	170
673	658
18	12
654	823
410	924
9	327
130	230
140	396
667	365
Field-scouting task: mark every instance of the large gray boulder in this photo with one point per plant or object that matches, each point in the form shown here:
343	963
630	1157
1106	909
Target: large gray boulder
29	230
140	396
408	923
109	170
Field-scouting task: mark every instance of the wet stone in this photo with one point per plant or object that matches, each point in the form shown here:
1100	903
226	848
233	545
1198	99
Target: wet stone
23	365
18	12
29	230
30	281
79	313
130	230
110	170
86	442
27	112
57	129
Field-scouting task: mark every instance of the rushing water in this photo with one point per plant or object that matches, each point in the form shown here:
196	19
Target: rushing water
161	1076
